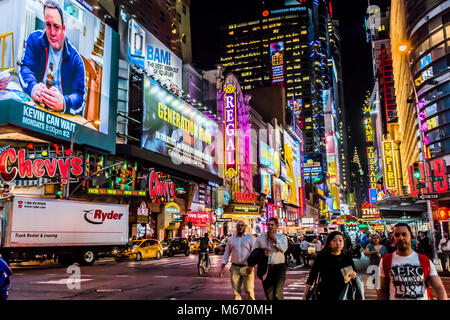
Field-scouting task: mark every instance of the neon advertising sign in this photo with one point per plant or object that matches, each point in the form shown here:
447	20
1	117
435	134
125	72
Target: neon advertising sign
160	188
390	167
14	163
230	131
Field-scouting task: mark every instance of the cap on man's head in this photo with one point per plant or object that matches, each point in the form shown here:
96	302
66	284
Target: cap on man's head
54	5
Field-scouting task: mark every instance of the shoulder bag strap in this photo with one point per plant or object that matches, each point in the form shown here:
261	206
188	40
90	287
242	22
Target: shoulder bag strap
425	264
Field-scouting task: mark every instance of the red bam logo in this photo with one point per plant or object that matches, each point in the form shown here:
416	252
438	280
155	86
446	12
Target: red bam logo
97	216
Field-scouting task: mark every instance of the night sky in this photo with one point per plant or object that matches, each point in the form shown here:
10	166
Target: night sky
208	15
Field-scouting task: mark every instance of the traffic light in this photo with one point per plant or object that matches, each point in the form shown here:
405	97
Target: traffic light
444	213
59	191
416	171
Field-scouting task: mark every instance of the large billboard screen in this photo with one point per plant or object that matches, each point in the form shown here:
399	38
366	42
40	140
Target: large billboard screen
59	71
277	59
292	159
178	130
141	48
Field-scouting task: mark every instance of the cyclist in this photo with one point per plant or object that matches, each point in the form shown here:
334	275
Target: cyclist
205	242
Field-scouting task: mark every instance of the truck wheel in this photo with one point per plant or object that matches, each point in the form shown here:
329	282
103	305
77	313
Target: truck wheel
188	252
170	253
65	259
87	257
158	255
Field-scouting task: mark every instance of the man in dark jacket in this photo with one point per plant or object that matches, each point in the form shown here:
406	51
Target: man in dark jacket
47	53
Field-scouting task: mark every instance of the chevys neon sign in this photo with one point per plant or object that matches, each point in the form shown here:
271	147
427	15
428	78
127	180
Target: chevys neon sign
160	188
436	181
230	131
14	163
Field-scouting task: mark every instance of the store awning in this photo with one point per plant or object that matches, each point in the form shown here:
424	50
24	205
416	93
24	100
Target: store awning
402	208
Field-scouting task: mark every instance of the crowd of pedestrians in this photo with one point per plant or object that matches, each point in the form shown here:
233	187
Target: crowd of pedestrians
405	267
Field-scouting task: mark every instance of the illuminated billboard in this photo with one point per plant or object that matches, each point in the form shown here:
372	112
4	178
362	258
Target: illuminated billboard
277	59
141	48
67	77
312	167
292	160
175	129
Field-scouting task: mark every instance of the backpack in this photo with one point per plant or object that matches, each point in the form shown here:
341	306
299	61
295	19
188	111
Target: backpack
424	264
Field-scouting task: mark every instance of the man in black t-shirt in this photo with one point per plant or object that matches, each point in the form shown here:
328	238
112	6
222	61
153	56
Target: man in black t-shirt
204	247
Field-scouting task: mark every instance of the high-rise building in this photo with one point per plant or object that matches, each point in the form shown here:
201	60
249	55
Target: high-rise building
286	46
419	36
168	20
295	45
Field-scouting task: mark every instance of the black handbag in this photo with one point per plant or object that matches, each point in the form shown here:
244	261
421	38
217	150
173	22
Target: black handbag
313	292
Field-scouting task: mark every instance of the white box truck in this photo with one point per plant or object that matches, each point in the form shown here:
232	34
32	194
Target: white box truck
71	231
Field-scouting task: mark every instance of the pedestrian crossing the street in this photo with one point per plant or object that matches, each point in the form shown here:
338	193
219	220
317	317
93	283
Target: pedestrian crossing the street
177	261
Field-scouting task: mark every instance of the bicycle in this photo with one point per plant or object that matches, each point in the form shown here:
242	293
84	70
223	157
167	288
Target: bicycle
203	267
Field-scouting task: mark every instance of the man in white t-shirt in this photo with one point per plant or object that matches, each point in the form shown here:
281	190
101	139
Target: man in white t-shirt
406	272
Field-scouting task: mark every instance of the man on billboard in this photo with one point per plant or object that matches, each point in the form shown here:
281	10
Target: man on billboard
52	72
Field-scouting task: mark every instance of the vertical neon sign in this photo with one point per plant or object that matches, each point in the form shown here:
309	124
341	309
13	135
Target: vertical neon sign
230	131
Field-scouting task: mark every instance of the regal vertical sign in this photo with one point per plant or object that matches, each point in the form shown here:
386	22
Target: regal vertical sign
230	131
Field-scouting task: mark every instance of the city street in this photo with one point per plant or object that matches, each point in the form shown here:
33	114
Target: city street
172	278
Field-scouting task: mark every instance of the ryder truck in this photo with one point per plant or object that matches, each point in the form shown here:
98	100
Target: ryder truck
71	231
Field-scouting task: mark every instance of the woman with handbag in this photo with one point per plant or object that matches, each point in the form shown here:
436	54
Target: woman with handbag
331	270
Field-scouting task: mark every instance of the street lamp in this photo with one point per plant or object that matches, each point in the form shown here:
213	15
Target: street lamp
72	141
406	49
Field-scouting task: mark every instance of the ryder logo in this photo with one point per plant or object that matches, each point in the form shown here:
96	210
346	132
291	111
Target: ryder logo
97	216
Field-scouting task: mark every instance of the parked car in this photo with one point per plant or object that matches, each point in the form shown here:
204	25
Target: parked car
173	246
141	249
220	247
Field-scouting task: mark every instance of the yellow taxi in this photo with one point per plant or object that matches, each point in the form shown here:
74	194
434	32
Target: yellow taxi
141	249
194	245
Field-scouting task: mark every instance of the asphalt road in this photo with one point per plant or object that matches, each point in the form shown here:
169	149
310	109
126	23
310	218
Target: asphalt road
174	278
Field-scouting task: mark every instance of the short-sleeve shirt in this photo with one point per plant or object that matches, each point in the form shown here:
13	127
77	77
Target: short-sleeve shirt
407	281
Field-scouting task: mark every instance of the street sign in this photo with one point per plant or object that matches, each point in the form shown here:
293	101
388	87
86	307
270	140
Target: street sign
429	196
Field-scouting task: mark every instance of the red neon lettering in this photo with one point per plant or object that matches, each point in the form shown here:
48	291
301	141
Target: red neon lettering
6	175
50	166
152	185
37	168
25	170
76	167
439	171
